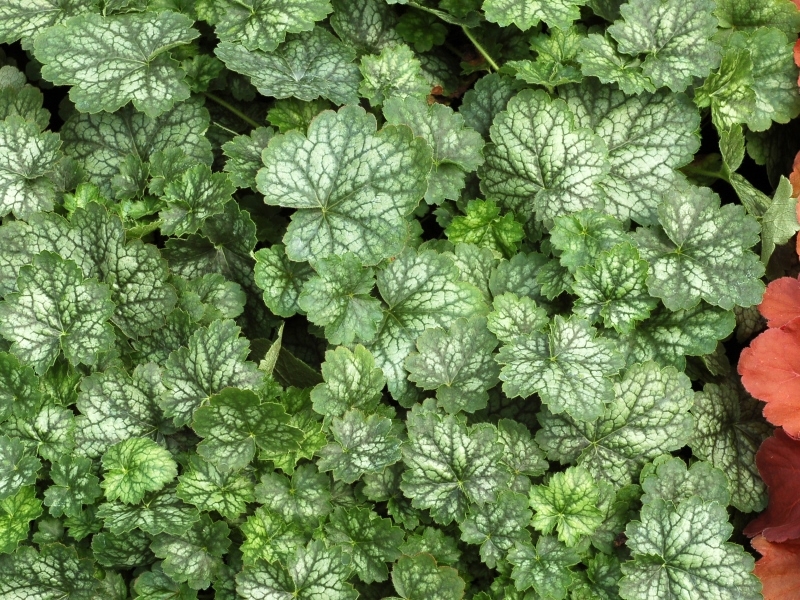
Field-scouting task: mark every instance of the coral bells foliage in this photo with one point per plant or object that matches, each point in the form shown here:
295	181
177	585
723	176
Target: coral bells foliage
380	299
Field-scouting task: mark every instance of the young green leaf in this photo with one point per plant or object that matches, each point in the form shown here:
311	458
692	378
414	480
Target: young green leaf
281	279
74	485
17	467
351	381
545	567
162	512
243	154
190	200
211	489
134	467
483	226
496	527
667	478
303	499
600	58
16	514
483	102
514	317
395	72
525	13
420	577
270	537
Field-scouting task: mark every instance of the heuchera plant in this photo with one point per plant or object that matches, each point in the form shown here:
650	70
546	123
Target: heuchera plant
419	299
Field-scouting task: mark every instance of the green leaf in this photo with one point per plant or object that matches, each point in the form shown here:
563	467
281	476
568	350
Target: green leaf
314	572
214	359
648	416
17	468
457	363
197	195
667	478
307	66
211	489
159	513
28	160
521	454
457	150
49	430
701	252
674	36
243	154
281	279
270	537
111	61
351	381
366	25
16	513
395	72
156	585
136	466
56	310
442	547
263	24
568	367
600	58
581	237
19	387
545	568
744	15
567	503
291	113
363	208
514	317
123	551
210	297
779	222
526	13
74	485
483	226
195	556
614	290
449	465
541	158
367	541
362	444
54	572
728	433
518	276
25	19
729	90
496	527
483	102
680	552
648	137
339	299
303	499
422	30
420	577
234	423
557	52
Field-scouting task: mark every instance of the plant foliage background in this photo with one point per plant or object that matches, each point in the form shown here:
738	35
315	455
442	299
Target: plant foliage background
386	299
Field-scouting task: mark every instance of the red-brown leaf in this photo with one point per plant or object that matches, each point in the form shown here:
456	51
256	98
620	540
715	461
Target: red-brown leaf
778	568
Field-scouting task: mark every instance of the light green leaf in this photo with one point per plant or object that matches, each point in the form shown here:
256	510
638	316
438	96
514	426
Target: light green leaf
25	19
518	276
483	226
667	478
123	551
521	454
210	489
614	290
270	537
314	572
541	158
56	310
156	585
568	367
210	297
339	299
362	444
367	541
680	552
19	388
136	466
474	264
17	468
545	568
527	13
496	527
110	61
581	237
190	200
163	512
16	513
457	363
307	66
514	317
366	25
449	465
555	64
457	150
648	416
748	16
360	207
54	572
243	155
675	37
600	58
420	577
729	90
48	430
779	222
483	102
263	24
701	252
648	137
567	503
281	279
291	113
395	72
74	485
441	546
214	359
728	433
195	556
351	381
599	581
303	499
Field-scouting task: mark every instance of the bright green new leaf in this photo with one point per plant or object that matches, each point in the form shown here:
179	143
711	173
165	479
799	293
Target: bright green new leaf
134	467
367	541
496	527
111	61
527	13
190	200
457	363
567	366
541	159
307	66
362	205
581	237
243	155
675	36
483	102
270	537
701	251
729	90
420	577
55	571
162	512
600	58
362	444
211	489
680	552
567	503
291	113
56	310
555	64
667	478
303	499
351	381
394	73
457	150
450	465
545	568
281	279
483	226
514	317
74	485
339	298
16	514
17	467
648	416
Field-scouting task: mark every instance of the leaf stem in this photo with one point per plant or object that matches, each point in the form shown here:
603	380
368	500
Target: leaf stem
231	108
480	48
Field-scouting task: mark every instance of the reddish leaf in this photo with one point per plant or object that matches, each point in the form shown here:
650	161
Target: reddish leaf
794	176
778	461
781	303
770	370
778	568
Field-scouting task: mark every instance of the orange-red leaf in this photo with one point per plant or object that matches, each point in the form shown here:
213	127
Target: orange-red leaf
794	176
778	568
770	370
778	461
781	303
